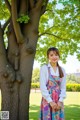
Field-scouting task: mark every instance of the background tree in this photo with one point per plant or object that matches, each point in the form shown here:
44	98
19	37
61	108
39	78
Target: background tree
35	75
73	78
58	27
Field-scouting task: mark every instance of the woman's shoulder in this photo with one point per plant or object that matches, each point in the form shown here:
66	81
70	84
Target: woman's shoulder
44	67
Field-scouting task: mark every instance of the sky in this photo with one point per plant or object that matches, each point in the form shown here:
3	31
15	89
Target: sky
71	66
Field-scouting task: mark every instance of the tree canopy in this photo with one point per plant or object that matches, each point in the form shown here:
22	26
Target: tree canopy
59	27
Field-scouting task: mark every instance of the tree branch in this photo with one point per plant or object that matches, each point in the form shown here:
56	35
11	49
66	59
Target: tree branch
47	30
39	4
13	50
17	29
6	23
31	3
44	7
50	28
23	7
51	35
8	5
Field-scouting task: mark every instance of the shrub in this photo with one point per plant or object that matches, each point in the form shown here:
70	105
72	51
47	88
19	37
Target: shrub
69	87
35	85
73	87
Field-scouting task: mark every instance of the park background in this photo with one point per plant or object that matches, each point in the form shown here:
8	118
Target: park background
71	65
72	101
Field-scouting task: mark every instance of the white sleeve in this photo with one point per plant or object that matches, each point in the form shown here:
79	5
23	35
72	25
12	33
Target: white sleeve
43	81
63	87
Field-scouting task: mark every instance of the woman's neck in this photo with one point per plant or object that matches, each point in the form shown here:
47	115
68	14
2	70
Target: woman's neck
53	64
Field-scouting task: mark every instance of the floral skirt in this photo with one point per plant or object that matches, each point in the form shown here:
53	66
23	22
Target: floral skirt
46	113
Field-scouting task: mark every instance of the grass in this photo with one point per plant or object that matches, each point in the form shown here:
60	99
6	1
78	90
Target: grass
72	106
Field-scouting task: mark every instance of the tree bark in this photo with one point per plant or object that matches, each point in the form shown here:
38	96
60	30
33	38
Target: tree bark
7	76
13	58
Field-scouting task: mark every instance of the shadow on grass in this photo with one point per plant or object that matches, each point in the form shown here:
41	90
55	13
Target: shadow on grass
72	112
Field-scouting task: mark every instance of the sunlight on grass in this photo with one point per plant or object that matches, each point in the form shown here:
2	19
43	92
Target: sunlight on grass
72	98
72	105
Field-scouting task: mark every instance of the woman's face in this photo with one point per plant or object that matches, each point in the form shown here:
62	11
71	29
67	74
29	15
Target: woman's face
53	57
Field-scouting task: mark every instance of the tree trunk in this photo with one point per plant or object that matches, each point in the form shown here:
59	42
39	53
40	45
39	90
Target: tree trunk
16	62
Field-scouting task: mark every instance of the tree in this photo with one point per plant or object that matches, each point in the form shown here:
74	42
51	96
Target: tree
21	23
73	78
16	62
35	75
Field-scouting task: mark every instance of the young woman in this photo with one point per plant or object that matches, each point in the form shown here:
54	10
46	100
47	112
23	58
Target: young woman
53	87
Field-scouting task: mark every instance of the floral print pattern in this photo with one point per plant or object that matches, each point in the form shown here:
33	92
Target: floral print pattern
53	86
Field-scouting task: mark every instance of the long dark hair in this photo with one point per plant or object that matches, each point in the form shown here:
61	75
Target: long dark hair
57	52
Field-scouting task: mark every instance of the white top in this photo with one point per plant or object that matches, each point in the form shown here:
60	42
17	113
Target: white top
44	79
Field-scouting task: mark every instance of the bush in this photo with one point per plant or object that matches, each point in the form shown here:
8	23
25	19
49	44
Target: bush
73	87
35	85
69	87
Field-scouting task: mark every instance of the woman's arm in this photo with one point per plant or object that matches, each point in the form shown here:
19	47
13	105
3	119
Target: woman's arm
43	81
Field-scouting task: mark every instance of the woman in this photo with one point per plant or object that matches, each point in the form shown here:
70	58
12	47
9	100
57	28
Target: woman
53	87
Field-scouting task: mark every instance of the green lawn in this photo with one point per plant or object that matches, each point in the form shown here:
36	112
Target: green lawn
72	106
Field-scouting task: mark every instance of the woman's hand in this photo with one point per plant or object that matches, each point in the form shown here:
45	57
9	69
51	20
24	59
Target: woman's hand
59	105
53	105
